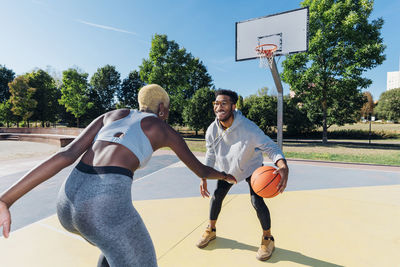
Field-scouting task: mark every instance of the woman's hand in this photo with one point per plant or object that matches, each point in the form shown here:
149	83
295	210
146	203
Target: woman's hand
203	188
5	219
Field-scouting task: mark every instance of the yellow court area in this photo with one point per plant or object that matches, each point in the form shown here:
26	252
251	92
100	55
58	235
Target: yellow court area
329	227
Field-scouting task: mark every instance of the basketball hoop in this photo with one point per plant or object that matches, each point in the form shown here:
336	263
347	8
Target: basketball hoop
266	54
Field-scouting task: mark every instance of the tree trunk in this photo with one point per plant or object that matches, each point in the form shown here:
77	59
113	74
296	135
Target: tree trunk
324	130
324	118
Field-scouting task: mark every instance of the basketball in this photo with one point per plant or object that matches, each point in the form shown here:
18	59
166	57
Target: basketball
264	182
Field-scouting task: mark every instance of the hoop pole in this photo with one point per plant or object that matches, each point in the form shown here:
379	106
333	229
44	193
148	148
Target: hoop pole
279	115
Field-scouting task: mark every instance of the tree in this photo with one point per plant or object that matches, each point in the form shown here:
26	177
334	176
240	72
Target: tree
128	93
368	107
389	105
239	103
262	111
343	44
199	112
46	96
21	98
6	115
177	71
295	117
105	84
6	76
74	93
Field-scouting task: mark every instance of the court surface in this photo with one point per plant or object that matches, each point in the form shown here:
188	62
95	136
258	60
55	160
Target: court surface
330	215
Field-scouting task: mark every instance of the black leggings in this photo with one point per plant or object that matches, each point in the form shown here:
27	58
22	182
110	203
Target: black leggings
257	202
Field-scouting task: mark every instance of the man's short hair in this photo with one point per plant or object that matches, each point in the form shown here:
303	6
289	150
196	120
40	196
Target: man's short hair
233	95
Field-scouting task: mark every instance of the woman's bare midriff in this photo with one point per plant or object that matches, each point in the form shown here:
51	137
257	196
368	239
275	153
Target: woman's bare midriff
104	153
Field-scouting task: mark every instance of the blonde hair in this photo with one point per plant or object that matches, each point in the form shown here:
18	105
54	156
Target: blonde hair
150	97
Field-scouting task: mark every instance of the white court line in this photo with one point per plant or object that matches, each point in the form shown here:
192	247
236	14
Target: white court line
347	167
147	175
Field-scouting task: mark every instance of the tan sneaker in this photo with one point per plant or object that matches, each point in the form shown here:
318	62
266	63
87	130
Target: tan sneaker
266	248
209	234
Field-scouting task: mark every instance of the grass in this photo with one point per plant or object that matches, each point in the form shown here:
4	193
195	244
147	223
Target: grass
352	147
383	154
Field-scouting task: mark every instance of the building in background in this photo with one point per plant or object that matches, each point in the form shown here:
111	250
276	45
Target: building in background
393	79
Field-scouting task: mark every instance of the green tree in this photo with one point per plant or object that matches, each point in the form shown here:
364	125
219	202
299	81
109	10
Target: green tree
21	98
105	84
74	93
6	76
262	111
6	115
295	117
46	96
389	105
177	71
128	93
343	43
239	103
199	112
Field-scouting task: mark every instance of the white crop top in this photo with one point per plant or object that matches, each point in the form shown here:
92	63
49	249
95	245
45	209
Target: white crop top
130	135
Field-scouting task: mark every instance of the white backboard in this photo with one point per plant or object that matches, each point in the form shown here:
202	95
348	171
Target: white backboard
287	30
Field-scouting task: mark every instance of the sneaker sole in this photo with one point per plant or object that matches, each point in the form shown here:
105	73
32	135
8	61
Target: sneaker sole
206	244
266	258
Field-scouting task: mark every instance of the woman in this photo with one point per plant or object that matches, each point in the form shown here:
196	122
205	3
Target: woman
95	201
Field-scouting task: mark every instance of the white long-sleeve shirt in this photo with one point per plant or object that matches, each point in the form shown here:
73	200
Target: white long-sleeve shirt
239	149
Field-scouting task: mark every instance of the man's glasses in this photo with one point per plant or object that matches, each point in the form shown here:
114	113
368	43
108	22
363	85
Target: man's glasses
221	103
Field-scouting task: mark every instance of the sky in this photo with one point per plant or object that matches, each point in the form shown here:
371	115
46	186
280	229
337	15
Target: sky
56	35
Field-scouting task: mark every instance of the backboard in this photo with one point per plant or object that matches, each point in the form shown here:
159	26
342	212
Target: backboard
287	30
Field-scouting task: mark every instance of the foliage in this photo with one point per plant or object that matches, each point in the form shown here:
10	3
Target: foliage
6	115
199	112
177	71
239	103
6	76
46	96
105	83
343	44
21	98
295	117
261	110
128	93
389	105
368	107
74	93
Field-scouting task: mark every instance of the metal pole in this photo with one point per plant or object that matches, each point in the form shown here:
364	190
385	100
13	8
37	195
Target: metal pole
279	88
369	134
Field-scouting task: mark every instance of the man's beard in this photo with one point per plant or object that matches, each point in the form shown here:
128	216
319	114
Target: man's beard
230	115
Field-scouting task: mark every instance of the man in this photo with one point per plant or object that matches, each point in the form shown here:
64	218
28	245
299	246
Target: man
235	145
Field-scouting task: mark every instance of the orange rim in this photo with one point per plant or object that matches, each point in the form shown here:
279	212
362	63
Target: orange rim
266	49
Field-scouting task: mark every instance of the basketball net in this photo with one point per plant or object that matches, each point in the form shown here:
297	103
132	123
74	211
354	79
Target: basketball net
266	54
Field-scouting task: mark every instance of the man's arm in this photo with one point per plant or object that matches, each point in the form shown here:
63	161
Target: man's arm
273	151
283	170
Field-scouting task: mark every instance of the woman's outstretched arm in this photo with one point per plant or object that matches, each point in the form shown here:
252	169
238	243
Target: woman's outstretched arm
179	146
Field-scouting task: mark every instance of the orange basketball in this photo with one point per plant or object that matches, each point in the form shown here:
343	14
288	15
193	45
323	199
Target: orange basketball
264	182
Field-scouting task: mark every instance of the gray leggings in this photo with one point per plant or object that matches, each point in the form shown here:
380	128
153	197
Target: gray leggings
97	205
